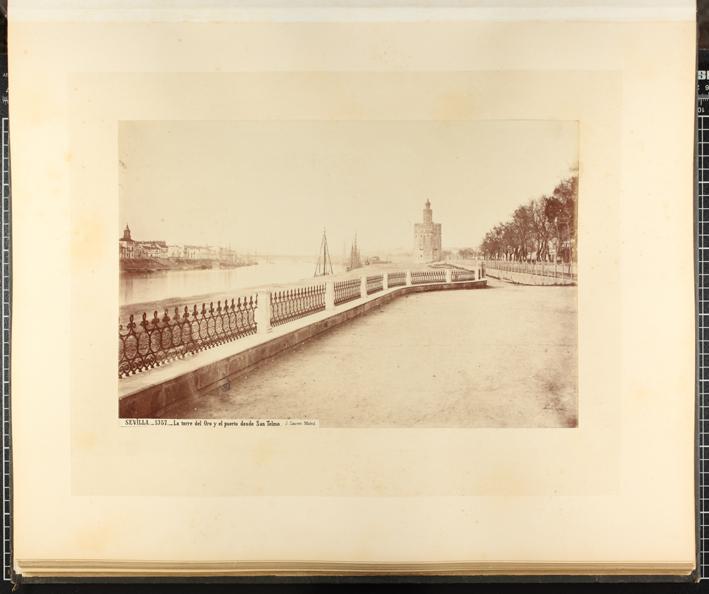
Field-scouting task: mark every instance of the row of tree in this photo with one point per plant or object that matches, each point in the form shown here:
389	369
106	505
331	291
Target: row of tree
544	229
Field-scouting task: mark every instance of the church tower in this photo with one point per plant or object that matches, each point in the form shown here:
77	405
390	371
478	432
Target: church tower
427	237
126	245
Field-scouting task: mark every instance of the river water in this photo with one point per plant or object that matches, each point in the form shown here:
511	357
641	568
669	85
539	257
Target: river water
151	287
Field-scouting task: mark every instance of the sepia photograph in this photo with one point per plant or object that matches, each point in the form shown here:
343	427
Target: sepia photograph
402	274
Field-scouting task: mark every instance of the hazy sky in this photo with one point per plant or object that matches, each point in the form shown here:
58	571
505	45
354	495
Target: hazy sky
271	186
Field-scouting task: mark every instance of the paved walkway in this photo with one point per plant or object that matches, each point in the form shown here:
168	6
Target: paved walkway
500	357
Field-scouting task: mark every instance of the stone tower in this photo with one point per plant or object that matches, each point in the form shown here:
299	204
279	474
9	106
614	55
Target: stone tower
126	245
427	237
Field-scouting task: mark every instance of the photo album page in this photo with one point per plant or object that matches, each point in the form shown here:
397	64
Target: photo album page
335	288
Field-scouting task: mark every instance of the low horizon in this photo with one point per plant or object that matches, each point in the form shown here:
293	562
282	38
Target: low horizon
397	251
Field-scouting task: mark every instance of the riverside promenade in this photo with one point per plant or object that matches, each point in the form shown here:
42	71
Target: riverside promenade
532	273
503	357
172	358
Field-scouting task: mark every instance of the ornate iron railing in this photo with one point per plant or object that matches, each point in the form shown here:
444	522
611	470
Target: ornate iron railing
291	304
433	276
375	283
153	342
462	275
563	270
396	279
347	290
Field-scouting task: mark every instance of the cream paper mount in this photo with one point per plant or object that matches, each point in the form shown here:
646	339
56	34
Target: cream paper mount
616	491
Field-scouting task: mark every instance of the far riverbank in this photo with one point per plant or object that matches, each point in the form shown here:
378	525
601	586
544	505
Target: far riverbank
146	265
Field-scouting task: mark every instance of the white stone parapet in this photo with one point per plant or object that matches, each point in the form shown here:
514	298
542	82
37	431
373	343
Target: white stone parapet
330	295
263	312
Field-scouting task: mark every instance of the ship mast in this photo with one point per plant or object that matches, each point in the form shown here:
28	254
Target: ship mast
324	265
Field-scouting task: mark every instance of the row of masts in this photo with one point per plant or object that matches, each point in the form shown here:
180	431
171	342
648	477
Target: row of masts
324	263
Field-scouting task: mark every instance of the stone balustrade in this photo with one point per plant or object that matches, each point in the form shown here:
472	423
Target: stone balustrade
160	339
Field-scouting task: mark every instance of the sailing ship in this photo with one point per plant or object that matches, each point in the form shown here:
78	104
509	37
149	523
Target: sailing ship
324	264
355	258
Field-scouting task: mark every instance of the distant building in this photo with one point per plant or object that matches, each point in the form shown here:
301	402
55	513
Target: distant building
175	251
198	252
130	249
126	245
192	252
427	237
150	249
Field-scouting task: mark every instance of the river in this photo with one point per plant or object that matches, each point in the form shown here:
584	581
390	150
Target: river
148	287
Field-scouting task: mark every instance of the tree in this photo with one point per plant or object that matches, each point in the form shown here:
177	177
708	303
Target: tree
536	225
522	223
542	229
